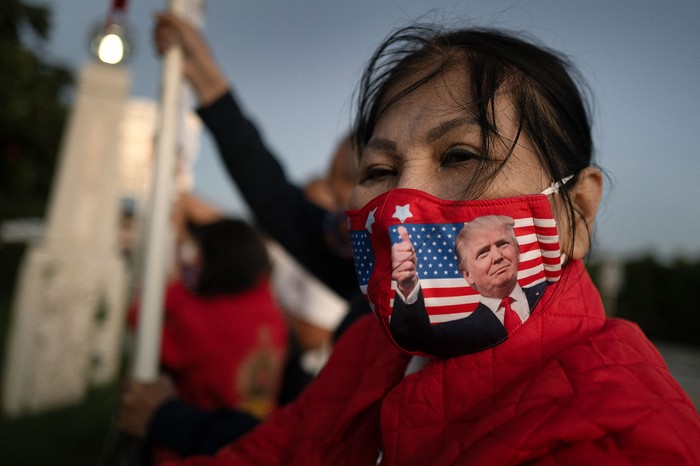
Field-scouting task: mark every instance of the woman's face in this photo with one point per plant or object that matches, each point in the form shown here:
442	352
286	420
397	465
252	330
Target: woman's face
427	141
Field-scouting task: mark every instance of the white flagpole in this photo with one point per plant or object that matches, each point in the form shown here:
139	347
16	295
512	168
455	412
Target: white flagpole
158	230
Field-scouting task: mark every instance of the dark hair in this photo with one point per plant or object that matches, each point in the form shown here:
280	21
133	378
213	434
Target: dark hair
542	85
234	257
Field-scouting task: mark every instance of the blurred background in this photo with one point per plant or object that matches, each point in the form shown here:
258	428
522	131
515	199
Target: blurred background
294	66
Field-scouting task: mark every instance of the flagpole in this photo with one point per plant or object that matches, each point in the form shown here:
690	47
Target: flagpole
158	230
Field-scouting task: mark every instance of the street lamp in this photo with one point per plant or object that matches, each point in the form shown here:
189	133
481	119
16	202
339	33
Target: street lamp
110	44
109	40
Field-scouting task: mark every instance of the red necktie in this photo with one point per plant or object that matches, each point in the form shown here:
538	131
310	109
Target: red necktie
511	319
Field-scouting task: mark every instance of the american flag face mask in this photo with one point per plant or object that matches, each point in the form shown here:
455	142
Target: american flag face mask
448	318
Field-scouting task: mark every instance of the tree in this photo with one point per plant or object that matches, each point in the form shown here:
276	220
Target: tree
33	115
660	298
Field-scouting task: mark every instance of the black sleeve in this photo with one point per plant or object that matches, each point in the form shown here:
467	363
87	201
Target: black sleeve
411	328
279	206
410	325
188	430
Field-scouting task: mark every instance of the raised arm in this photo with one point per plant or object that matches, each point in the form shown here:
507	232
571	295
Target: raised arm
279	206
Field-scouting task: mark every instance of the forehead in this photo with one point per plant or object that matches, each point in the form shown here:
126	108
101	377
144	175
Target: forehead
445	101
488	232
449	89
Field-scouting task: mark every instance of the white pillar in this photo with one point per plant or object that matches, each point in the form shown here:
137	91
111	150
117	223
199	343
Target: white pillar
70	298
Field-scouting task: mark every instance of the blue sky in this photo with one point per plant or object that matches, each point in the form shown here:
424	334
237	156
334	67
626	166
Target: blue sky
294	66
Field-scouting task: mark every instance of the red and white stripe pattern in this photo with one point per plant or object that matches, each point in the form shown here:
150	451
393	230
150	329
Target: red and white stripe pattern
433	225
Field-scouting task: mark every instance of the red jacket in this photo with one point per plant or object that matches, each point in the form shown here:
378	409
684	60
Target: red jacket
570	387
227	350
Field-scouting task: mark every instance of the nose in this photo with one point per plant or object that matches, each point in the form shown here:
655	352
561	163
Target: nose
417	173
496	255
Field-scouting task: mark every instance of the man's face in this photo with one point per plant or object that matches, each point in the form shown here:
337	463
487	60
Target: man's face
491	262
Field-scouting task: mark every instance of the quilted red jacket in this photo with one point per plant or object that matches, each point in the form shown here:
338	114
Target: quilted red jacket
570	387
224	351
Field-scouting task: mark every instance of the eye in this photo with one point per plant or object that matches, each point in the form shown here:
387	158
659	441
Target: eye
482	253
460	155
377	173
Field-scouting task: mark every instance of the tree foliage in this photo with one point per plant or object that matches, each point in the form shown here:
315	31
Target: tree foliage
660	298
33	115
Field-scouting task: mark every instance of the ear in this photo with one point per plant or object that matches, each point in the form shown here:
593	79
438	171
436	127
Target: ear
466	276
586	198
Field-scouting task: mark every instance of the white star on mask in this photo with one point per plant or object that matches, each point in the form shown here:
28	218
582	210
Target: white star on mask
402	213
370	220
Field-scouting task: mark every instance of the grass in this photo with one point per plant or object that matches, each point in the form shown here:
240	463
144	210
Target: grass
73	436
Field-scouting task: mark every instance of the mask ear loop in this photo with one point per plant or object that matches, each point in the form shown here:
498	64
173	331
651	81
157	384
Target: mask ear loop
554	187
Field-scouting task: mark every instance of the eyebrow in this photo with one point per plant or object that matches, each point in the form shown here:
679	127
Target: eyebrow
482	250
434	134
444	128
381	144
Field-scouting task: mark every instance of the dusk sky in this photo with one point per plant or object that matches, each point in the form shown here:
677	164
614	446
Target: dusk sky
294	66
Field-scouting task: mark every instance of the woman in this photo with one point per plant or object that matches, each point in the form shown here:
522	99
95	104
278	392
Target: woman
452	126
224	334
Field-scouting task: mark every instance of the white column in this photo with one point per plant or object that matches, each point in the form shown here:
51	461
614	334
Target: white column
69	302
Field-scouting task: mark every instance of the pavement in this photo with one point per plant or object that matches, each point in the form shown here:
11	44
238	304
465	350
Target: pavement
684	363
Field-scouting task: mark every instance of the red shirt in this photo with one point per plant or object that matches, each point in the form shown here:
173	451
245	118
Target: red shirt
225	351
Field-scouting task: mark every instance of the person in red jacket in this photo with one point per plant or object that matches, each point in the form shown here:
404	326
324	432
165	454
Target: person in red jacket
224	333
452	125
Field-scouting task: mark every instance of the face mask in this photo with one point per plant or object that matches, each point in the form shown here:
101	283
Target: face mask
510	252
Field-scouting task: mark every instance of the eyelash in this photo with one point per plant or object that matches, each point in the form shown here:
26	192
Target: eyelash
465	156
462	155
376	174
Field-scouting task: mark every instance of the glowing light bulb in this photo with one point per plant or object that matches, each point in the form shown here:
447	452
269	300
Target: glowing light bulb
111	49
110	44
